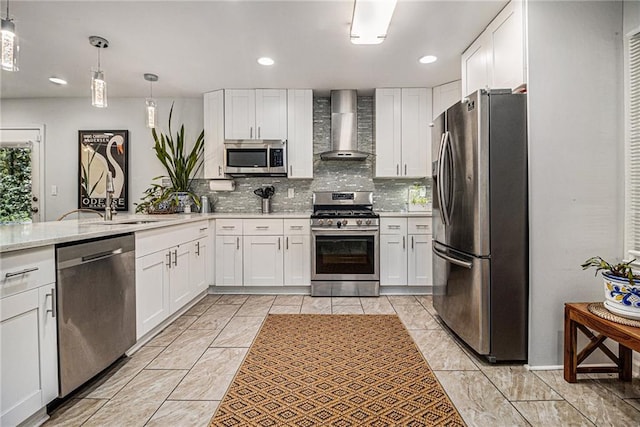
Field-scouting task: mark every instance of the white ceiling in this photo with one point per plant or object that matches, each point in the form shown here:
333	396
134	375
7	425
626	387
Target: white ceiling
199	46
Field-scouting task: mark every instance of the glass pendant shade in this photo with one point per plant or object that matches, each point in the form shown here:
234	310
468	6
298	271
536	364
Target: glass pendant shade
151	113
98	89
9	46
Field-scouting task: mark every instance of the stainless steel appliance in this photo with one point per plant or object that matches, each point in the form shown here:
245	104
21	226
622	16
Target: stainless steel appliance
96	307
480	223
345	253
344	127
264	158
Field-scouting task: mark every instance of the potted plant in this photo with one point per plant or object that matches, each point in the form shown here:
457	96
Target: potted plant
181	166
621	286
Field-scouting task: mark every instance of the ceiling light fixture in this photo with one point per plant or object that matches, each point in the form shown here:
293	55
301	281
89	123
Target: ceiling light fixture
151	111
428	59
371	20
9	44
98	84
57	81
266	61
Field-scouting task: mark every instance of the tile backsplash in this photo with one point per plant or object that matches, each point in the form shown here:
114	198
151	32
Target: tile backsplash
328	175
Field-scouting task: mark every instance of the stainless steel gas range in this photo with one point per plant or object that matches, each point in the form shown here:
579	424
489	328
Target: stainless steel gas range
345	253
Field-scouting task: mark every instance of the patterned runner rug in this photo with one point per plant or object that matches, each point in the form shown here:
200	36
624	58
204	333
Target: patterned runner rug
335	370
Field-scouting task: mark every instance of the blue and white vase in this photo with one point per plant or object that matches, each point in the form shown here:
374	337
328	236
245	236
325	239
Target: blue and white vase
621	297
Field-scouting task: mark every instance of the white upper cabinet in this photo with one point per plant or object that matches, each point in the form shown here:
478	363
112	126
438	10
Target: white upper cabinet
255	114
444	96
497	58
403	136
300	133
214	134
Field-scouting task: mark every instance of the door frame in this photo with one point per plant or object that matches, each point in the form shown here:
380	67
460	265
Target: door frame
38	164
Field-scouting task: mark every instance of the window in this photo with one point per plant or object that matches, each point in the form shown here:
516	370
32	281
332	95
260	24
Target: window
633	150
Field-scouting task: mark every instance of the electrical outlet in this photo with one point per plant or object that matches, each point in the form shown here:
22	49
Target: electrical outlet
54	190
290	193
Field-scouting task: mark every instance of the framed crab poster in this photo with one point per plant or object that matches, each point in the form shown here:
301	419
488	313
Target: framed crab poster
101	152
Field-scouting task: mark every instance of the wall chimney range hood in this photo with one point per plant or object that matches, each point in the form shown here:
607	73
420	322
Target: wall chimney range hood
344	127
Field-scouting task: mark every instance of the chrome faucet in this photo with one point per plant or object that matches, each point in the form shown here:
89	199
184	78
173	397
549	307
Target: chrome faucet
109	197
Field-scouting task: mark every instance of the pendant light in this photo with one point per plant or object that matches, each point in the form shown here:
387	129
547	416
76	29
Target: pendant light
151	112
98	84
9	44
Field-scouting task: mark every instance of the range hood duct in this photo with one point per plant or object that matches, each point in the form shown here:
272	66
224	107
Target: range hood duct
344	127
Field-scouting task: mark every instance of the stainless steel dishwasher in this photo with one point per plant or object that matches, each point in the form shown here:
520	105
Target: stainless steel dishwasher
96	306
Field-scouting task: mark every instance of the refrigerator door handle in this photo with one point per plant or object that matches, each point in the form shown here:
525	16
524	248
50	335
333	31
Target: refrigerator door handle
439	178
444	209
452	260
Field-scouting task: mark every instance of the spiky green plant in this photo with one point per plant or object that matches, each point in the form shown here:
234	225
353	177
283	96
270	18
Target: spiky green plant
181	166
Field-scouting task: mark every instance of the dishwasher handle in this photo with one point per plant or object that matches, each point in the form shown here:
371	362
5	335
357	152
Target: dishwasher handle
101	255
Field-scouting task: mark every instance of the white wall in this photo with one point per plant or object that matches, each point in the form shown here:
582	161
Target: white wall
63	117
576	158
631	16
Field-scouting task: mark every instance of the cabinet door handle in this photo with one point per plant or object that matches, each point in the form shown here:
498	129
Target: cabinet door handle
405	169
296	227
198	248
411	242
290	169
251	132
175	257
21	272
258	132
219	170
404	242
53	303
262	227
168	259
237	243
287	242
393	227
228	227
278	243
204	229
397	169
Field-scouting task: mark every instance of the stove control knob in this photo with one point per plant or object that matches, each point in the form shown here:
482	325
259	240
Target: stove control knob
320	221
359	221
368	222
329	222
344	222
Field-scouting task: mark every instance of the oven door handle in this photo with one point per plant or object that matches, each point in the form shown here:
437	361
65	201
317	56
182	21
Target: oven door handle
335	231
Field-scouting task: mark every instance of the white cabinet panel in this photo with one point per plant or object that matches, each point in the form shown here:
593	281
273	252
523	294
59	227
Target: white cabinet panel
228	260
420	260
388	132
300	133
48	343
271	114
198	260
475	66
180	289
393	260
152	290
444	96
263	261
239	114
297	260
403	136
214	134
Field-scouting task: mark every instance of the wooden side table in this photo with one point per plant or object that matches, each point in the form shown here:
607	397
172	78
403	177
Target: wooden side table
577	316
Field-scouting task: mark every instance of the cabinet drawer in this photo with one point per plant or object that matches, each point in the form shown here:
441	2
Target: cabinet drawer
26	269
228	227
158	239
269	227
297	227
393	226
420	225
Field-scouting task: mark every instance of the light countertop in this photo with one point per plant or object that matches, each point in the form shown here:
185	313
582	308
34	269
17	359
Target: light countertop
24	236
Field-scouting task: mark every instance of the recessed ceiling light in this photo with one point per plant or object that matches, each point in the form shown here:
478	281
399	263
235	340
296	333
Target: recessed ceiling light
57	81
428	59
265	61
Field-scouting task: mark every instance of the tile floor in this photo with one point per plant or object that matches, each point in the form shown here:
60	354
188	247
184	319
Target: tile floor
179	377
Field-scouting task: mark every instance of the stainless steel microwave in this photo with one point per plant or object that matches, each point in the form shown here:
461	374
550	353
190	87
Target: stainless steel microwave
255	158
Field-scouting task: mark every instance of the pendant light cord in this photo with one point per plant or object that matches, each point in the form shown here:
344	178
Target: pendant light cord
151	88
7	10
98	58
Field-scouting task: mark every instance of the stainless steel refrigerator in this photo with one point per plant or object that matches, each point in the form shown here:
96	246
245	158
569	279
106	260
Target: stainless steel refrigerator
480	223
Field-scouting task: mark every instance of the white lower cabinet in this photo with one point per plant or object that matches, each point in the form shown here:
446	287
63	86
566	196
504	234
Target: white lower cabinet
28	333
263	261
228	260
169	274
297	260
405	251
198	265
